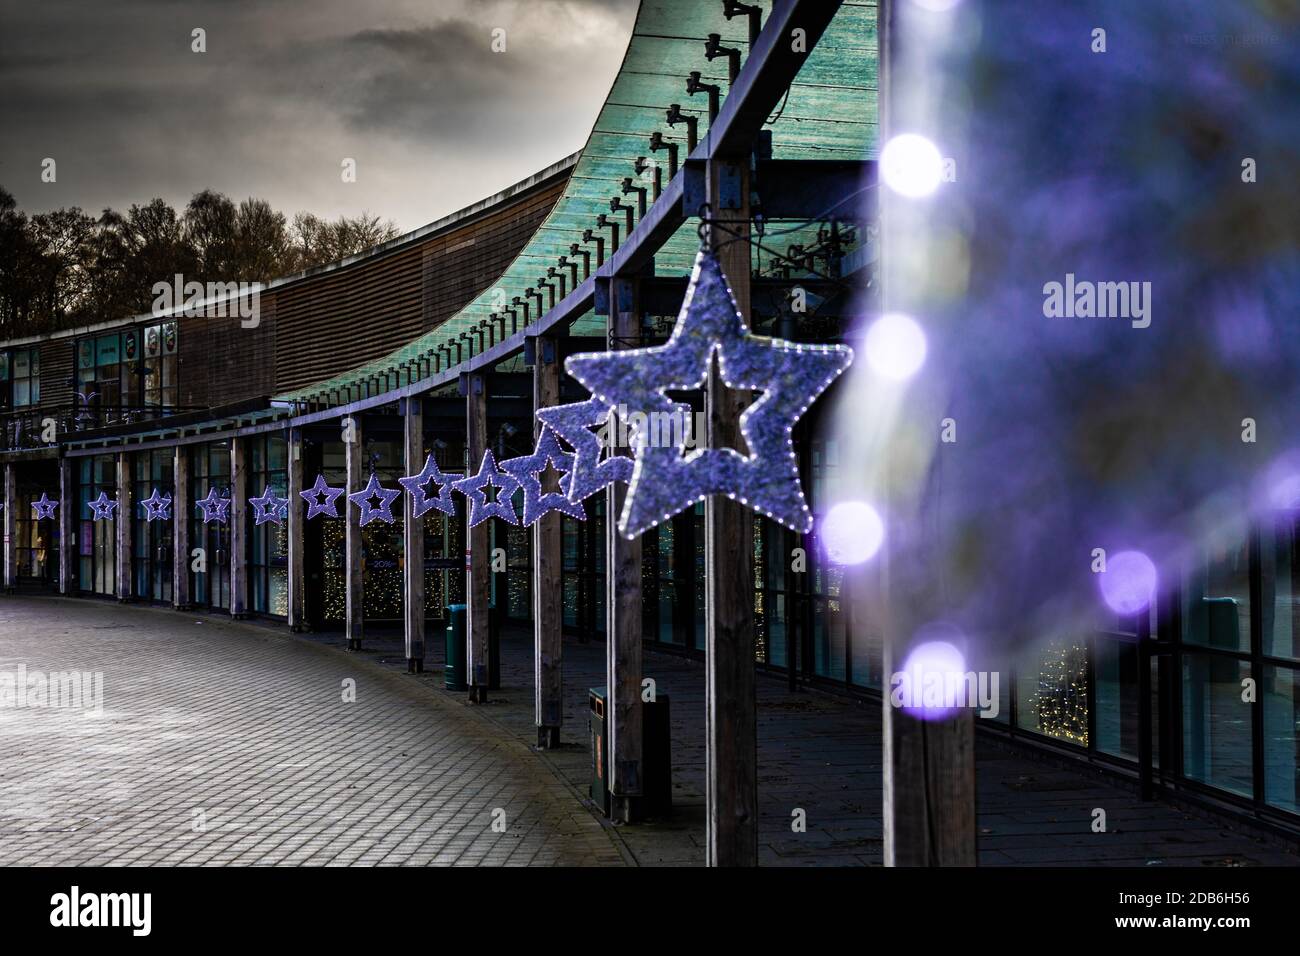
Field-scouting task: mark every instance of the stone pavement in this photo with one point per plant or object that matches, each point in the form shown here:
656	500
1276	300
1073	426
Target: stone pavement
245	725
228	743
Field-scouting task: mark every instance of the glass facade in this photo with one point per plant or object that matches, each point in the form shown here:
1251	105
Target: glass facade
96	540
151	551
135	368
267	543
210	577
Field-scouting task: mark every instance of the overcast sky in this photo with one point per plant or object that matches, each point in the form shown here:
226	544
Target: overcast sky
410	89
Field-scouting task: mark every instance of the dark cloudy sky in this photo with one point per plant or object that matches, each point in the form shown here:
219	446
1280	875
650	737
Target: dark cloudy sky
287	88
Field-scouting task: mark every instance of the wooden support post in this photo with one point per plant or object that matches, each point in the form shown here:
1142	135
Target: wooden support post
297	572
239	527
548	578
413	534
181	521
730	702
354	595
623	602
11	528
928	767
68	507
123	526
478	560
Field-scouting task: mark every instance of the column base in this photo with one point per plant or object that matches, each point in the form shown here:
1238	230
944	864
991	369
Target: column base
354	643
624	809
478	694
415	665
548	738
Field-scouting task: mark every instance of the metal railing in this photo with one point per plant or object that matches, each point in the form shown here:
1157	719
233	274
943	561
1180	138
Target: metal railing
30	428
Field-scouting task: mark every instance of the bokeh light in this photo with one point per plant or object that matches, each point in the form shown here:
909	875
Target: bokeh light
911	165
851	532
934	661
895	346
1129	582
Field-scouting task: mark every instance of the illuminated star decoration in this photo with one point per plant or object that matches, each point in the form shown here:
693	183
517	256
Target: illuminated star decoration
157	507
480	509
44	507
420	500
214	507
314	494
102	507
269	507
526	469
373	489
590	474
666	480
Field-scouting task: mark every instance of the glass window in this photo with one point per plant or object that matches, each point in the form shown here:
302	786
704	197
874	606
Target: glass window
1216	610
1281	582
1281	699
1052	691
25	371
1216	722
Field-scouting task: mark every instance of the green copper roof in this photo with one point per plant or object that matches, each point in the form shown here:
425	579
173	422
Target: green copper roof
829	113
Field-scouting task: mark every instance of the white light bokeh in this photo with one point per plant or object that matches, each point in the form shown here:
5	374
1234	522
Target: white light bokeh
911	165
851	532
895	346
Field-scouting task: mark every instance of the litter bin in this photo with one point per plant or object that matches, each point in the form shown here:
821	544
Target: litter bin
456	672
656	798
453	674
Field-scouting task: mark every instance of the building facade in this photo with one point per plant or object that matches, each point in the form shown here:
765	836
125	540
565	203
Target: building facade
446	341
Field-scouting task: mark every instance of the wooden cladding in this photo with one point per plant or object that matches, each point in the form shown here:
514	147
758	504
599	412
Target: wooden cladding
329	323
221	361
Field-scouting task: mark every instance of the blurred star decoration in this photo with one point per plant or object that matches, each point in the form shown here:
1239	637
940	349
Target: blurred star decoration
102	508
480	508
322	499
269	507
590	473
527	469
374	491
421	501
157	507
44	507
1079	431
214	507
665	479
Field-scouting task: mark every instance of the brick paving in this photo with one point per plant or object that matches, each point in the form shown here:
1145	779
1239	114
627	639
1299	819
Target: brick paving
224	743
246	723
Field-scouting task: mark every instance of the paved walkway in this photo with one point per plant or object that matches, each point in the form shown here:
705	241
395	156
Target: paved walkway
230	743
226	743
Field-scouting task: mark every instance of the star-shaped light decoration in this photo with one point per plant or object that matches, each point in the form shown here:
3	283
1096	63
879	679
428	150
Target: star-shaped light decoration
420	500
667	480
214	507
373	489
157	507
572	423
269	507
526	471
321	499
44	507
102	508
480	509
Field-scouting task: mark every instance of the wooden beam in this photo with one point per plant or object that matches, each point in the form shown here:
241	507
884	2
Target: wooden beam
548	577
413	538
122	526
354	594
239	527
623	611
297	568
730	701
68	507
10	527
181	521
478	560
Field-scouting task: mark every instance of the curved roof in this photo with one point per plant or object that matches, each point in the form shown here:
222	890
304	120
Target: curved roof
827	114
